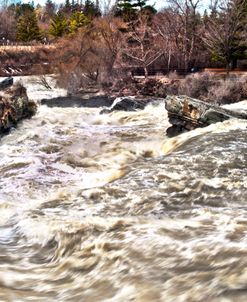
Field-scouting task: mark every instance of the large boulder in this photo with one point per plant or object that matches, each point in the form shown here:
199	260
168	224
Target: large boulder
130	103
186	113
6	83
14	105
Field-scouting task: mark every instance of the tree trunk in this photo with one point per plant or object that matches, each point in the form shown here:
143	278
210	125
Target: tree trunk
145	72
228	68
169	60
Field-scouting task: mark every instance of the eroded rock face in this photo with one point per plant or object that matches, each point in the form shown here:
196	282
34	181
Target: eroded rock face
125	104
186	113
78	101
14	106
130	103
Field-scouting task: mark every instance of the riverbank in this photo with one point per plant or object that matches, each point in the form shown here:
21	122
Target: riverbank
23	60
205	86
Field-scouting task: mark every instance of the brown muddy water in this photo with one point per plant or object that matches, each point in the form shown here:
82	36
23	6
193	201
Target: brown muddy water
107	208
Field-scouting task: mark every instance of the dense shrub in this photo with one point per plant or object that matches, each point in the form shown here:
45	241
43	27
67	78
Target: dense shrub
205	86
196	85
213	88
224	92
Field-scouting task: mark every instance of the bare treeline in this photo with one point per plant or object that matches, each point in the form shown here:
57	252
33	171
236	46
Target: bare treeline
97	45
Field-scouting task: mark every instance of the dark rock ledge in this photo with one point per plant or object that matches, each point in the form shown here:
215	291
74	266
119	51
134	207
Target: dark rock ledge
109	104
131	103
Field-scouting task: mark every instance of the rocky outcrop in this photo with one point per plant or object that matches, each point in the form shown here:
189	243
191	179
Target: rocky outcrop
186	113
129	103
6	83
78	101
14	105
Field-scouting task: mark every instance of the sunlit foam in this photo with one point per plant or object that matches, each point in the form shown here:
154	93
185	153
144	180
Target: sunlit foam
173	143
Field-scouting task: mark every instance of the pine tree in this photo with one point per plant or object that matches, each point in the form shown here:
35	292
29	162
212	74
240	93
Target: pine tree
59	25
77	20
49	9
27	28
91	10
23	9
67	4
126	10
129	9
139	4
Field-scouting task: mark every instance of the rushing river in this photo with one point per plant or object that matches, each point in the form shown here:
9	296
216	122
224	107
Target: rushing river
107	208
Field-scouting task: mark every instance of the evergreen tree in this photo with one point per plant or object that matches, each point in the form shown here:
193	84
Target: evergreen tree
129	9
66	9
126	10
22	9
91	10
49	9
139	4
59	25
77	20
67	4
27	27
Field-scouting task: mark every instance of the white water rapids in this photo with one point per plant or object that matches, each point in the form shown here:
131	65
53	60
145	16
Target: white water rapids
107	208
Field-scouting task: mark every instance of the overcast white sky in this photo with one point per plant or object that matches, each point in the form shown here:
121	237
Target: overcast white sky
158	3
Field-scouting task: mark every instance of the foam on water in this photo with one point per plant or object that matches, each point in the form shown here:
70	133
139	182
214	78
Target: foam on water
107	208
226	126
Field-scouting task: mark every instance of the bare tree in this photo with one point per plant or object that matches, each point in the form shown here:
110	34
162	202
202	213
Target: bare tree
141	49
106	6
214	5
7	24
224	33
110	39
168	28
88	56
77	59
4	4
185	21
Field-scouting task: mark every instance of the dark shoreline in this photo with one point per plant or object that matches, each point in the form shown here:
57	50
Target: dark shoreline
76	101
106	103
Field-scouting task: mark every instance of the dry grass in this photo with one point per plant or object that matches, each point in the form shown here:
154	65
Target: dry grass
212	88
25	48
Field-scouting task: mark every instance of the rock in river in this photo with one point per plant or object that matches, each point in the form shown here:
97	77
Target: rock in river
6	83
130	103
14	104
186	113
